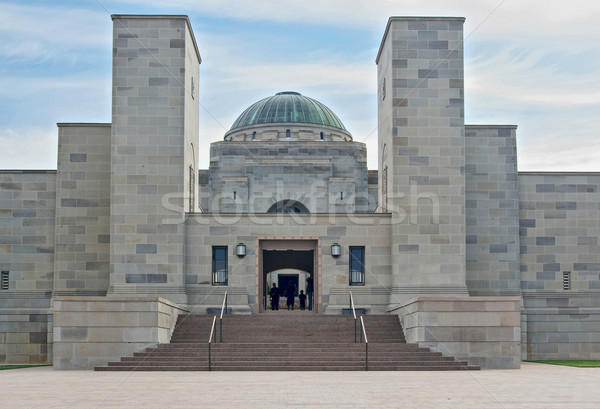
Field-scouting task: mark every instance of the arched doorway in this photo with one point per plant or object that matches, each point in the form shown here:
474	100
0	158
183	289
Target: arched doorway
288	206
281	261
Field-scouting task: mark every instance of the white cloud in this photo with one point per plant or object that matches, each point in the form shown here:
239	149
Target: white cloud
25	87
29	148
558	154
498	17
34	32
523	77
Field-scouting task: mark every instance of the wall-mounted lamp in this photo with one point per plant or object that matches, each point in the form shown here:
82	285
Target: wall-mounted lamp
336	250
240	250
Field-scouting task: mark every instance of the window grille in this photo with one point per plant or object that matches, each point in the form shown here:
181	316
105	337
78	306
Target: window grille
5	280
192	197
357	265
384	189
566	280
219	265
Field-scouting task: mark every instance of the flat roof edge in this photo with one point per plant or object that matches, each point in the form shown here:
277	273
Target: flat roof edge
412	18
491	126
26	171
148	16
556	173
431	18
159	17
83	124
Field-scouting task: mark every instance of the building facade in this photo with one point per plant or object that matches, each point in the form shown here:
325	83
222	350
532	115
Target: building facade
478	260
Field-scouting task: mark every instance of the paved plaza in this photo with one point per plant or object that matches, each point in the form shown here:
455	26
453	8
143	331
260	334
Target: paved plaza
532	386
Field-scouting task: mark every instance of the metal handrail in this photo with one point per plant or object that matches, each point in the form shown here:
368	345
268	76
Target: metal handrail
354	313
364	331
223	308
210	341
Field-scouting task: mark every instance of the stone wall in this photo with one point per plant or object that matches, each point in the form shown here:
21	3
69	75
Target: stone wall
27	210
155	60
373	189
81	259
206	230
560	226
91	331
492	207
483	331
422	142
278	132
264	173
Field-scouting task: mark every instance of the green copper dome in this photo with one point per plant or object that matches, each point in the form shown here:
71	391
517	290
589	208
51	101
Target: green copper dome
288	107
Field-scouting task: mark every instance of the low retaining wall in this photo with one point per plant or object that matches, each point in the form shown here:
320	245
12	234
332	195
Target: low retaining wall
561	325
484	331
91	331
24	331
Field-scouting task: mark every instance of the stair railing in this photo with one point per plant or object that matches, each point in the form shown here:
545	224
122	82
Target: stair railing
353	313
210	341
364	332
223	309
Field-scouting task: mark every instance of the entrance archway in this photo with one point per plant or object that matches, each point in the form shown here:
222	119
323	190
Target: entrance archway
288	206
284	260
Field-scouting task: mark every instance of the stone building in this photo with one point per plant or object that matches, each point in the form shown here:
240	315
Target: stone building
476	259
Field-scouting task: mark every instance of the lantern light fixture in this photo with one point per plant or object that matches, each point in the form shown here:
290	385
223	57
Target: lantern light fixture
336	250
240	250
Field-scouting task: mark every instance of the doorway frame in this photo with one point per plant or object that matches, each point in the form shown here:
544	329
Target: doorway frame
288	243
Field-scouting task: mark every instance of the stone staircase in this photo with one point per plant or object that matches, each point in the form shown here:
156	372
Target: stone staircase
287	341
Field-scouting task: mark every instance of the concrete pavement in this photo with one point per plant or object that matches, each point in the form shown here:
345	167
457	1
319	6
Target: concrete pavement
532	386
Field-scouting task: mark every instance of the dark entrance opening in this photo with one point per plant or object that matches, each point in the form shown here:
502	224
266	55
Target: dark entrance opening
284	267
285	280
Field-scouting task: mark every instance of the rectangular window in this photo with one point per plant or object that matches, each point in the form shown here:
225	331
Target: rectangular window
5	280
566	280
357	265
384	191
192	189
219	265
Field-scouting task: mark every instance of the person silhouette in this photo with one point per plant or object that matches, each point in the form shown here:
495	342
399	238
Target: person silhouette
290	293
274	293
302	298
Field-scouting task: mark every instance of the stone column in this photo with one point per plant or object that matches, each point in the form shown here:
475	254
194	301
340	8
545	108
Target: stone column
422	151
154	134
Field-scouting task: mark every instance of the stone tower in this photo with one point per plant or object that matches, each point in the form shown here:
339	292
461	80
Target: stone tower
153	153
422	154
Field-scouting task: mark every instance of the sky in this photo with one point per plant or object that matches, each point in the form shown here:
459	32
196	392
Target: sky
531	63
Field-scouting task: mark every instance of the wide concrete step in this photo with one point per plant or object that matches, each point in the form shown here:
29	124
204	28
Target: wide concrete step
289	368
290	357
325	362
232	350
286	342
204	344
373	349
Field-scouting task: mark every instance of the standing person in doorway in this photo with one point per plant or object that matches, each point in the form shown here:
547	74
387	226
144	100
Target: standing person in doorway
290	293
309	292
274	293
302	298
